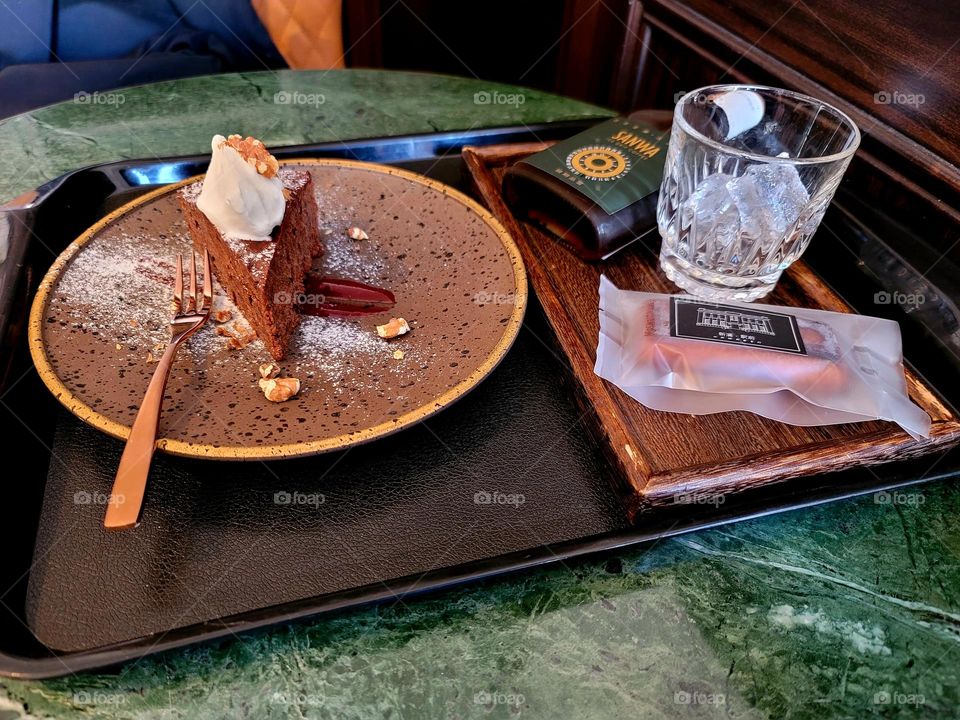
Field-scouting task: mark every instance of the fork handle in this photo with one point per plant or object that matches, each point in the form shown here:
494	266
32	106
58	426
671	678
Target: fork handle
126	498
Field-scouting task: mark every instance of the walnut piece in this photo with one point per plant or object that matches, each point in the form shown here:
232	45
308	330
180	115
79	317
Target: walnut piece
394	328
221	316
238	337
153	356
279	389
240	342
269	370
255	154
398	354
357	234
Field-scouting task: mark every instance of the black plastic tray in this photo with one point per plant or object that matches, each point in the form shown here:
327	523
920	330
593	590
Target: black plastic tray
532	377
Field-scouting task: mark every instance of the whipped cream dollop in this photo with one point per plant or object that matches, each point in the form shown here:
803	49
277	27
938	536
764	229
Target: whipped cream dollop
241	202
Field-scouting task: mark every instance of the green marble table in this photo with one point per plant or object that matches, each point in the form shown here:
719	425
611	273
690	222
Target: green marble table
850	610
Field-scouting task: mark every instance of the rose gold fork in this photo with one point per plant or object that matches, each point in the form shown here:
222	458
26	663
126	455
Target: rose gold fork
190	313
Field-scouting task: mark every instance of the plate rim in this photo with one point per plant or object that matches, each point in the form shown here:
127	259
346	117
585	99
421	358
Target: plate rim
343	441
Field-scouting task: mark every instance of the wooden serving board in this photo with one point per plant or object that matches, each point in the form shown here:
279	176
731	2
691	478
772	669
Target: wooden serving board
665	458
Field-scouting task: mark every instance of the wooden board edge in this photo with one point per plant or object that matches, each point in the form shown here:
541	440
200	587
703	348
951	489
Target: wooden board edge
874	449
615	441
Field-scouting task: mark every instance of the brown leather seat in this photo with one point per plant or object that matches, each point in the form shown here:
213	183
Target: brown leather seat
308	33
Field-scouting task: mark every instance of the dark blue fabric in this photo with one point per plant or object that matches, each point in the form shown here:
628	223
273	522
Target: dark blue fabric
26	27
229	29
107	44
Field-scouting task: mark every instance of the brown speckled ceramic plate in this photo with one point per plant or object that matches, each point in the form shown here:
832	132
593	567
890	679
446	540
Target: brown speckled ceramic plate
456	274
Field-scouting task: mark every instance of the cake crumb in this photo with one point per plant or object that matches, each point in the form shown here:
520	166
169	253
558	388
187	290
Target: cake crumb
398	354
119	346
239	343
269	370
394	328
238	336
221	316
153	355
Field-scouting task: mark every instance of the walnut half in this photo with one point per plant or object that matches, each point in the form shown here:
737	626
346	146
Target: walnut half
255	154
279	389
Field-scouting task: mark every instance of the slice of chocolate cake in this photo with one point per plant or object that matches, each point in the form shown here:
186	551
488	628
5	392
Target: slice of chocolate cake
264	276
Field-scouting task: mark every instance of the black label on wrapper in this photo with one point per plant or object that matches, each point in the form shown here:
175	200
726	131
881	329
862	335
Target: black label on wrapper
699	320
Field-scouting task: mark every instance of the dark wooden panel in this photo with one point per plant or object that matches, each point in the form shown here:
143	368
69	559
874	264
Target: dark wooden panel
877	56
362	33
498	40
824	49
590	46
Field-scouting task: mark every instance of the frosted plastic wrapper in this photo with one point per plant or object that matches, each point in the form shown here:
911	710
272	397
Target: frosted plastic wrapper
678	353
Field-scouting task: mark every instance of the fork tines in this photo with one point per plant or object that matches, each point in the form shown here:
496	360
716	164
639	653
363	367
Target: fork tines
188	304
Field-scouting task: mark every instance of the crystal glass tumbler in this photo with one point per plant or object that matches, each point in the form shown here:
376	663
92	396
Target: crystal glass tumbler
748	175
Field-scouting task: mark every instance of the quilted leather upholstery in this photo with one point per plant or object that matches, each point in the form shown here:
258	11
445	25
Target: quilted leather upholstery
308	33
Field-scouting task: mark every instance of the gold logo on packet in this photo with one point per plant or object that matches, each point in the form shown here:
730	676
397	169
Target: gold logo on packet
598	162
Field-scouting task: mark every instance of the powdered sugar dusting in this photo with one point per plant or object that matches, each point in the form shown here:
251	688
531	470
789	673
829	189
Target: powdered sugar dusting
335	338
342	256
192	191
327	346
111	307
121	290
292	178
